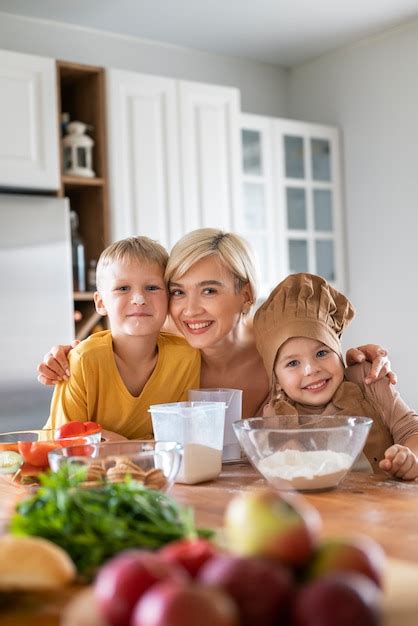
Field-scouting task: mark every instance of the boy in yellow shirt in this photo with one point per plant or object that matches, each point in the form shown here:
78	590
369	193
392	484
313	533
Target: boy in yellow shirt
117	374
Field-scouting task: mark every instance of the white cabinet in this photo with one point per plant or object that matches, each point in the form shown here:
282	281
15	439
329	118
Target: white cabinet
174	156
292	206
210	155
143	156
29	155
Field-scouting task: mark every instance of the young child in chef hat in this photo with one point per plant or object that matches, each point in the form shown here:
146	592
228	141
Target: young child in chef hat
117	374
298	335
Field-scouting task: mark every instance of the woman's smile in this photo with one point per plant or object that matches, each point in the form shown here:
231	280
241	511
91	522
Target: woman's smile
205	304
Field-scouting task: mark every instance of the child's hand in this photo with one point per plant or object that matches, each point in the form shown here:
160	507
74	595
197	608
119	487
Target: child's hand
400	462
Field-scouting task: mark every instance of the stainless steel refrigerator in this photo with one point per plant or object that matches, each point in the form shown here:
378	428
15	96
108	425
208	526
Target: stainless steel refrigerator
36	306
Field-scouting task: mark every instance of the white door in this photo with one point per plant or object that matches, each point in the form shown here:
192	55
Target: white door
29	155
210	156
143	156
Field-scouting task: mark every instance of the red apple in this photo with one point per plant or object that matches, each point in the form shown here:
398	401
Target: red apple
122	581
359	554
343	599
266	523
261	589
174	604
189	553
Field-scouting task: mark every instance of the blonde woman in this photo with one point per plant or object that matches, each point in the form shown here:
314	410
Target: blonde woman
212	284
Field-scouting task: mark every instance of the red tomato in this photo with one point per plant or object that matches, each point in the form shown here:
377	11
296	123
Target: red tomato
81	450
70	429
91	427
74	429
190	553
36	452
29	470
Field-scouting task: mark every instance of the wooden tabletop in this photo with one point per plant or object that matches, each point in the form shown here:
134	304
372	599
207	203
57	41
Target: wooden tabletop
375	505
382	508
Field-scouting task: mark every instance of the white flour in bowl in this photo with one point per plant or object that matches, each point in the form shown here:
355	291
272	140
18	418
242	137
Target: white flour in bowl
306	469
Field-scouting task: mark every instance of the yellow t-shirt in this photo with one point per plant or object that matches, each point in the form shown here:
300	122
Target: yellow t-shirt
96	391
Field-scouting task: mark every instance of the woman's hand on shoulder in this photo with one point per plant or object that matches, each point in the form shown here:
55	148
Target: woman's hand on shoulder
55	367
400	462
378	357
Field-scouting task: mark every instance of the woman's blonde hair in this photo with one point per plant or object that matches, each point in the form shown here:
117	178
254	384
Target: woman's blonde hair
140	249
231	250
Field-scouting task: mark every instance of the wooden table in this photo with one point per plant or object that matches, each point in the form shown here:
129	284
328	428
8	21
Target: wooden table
374	505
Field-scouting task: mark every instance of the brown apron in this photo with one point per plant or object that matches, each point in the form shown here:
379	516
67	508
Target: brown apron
349	399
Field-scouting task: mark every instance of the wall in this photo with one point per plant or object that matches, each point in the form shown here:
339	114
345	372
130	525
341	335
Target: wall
263	87
371	92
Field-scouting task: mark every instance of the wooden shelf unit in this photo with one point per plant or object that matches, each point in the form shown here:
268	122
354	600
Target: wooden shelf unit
81	93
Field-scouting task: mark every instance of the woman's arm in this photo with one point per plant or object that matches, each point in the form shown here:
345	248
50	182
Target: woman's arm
378	357
55	367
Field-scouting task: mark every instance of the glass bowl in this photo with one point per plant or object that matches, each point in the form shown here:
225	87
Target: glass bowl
153	463
305	452
28	450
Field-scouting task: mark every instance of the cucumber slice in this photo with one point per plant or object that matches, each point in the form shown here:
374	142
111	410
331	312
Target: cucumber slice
10	462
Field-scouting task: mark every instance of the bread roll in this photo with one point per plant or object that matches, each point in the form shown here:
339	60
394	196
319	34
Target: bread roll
33	563
82	611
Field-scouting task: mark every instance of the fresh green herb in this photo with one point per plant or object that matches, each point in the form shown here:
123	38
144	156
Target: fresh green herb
94	524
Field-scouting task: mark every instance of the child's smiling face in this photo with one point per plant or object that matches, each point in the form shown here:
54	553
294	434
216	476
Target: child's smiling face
134	296
308	371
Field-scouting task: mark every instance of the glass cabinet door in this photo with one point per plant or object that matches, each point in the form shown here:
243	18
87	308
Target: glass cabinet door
291	212
309	188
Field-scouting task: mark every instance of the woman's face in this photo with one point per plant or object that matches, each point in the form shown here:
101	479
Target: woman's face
204	303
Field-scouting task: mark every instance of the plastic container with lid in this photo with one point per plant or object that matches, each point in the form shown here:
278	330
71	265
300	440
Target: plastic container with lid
199	428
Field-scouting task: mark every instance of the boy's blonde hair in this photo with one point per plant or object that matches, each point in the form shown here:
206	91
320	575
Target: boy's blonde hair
231	250
140	249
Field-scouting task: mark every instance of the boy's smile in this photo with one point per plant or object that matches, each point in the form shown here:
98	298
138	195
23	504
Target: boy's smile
308	371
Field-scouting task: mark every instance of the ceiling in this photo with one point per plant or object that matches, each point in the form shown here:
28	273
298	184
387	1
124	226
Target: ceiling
282	32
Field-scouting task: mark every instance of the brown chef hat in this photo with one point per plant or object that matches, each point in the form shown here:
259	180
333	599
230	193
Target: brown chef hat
302	305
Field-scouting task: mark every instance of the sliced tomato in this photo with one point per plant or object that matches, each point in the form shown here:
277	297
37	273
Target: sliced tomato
74	441
74	429
36	452
91	427
26	469
70	429
86	450
79	446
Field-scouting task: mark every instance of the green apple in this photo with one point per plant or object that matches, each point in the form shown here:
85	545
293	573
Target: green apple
266	523
357	554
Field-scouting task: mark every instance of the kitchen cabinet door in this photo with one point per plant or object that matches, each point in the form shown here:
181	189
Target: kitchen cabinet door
261	224
29	155
210	155
143	156
292	208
